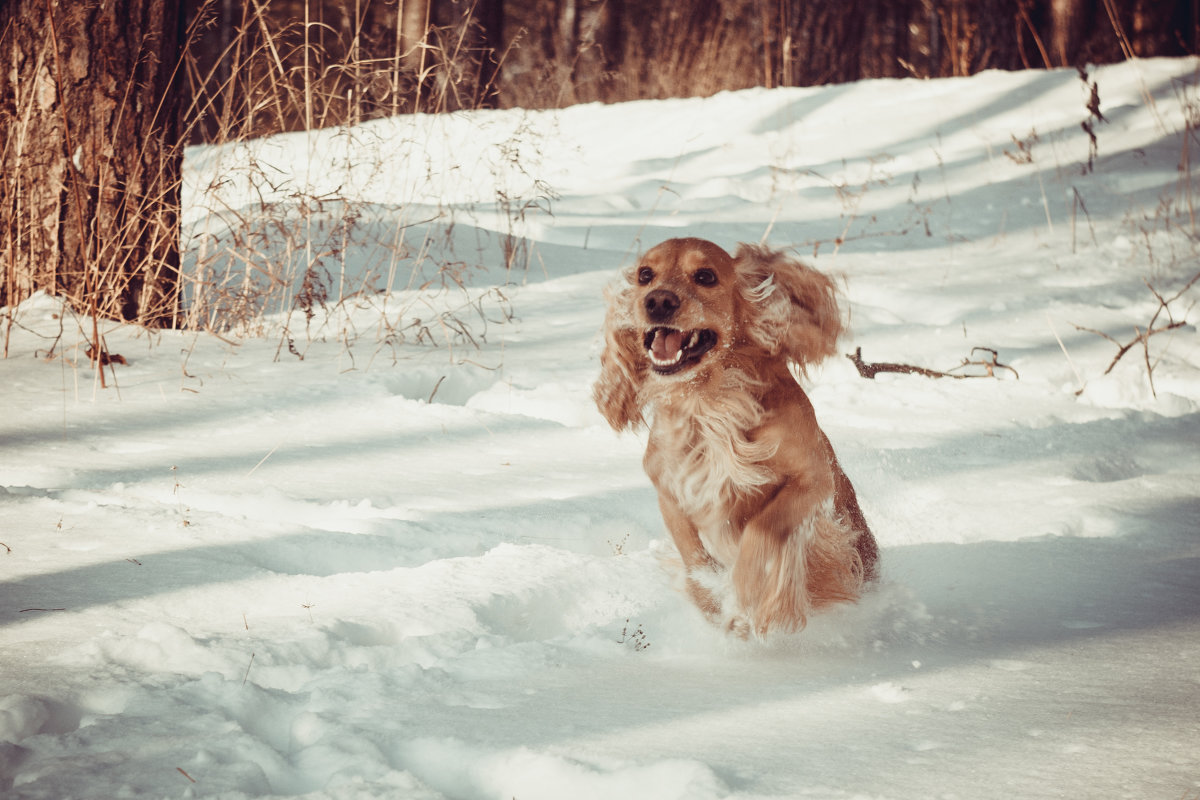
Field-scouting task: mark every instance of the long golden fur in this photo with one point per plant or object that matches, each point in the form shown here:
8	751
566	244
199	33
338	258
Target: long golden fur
704	346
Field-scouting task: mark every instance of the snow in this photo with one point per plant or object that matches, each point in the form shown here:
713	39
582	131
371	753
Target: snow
424	567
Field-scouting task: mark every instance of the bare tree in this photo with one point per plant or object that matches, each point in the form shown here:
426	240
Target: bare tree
90	166
412	21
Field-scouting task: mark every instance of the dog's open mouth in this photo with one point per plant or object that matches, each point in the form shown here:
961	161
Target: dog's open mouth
672	350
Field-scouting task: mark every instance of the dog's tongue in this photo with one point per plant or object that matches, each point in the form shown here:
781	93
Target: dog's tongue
666	344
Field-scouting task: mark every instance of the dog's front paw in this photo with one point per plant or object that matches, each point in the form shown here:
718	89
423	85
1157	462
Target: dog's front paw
704	598
739	626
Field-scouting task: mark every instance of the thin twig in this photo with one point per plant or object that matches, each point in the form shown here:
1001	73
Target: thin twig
1143	336
1063	347
246	677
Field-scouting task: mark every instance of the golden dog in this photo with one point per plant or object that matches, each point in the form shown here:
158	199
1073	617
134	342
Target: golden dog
704	345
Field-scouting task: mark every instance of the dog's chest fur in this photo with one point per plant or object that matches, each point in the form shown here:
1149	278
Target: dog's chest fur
703	455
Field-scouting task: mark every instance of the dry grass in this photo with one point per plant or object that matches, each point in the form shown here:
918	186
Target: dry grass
323	252
291	260
303	265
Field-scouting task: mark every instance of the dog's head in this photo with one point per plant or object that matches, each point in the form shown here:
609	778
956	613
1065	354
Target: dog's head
687	310
683	305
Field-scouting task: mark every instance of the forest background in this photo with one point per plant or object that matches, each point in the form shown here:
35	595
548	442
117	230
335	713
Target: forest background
99	100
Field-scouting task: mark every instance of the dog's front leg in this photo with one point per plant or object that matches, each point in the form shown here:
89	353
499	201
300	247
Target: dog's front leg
696	558
795	555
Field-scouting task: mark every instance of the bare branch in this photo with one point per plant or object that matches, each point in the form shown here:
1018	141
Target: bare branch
1143	336
870	369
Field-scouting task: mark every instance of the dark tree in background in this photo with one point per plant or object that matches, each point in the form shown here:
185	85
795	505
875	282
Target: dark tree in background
357	59
604	50
90	166
98	95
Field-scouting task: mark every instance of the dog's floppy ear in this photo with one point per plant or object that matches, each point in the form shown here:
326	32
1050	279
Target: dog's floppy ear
793	309
622	363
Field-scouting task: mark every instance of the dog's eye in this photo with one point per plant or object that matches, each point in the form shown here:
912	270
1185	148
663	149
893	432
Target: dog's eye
645	275
705	277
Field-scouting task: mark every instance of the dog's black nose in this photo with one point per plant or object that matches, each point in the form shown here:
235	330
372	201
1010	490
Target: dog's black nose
661	305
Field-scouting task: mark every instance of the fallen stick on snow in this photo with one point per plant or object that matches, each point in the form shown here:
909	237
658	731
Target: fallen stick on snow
871	369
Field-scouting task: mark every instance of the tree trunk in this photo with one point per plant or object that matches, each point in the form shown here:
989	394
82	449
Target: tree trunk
566	46
413	22
489	15
90	167
1066	21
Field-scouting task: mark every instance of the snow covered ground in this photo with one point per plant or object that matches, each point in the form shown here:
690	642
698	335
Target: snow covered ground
421	566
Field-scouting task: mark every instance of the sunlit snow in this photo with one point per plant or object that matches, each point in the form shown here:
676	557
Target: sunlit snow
422	566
